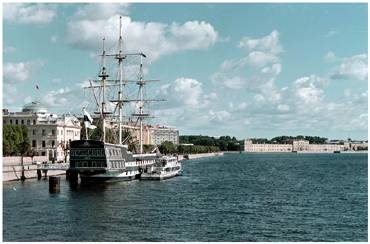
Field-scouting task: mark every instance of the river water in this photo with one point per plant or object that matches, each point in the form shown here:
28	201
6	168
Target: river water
236	197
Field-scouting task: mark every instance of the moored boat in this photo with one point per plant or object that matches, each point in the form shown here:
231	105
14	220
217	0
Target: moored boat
165	167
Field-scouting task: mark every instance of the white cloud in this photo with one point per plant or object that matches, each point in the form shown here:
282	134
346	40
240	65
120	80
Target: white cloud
219	116
269	43
354	67
153	38
16	72
283	107
260	59
28	13
307	90
95	11
234	82
330	57
182	92
261	62
360	122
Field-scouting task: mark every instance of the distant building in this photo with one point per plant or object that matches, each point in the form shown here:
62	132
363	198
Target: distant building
304	145
162	134
49	133
250	147
300	145
153	135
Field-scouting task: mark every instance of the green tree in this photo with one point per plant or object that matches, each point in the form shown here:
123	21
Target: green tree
167	148
15	140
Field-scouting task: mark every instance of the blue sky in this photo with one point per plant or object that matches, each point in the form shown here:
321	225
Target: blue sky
242	69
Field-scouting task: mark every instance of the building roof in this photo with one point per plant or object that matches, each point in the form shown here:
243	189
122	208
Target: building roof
34	107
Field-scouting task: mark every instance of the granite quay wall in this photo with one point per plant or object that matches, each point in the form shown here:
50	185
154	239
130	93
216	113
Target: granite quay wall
12	167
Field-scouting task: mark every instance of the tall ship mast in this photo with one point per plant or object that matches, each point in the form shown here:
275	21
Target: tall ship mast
99	160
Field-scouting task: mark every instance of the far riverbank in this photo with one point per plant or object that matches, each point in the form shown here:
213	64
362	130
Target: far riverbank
200	155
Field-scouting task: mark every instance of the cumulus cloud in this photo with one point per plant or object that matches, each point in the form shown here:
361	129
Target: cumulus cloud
219	116
182	92
16	72
269	43
261	62
28	13
307	90
153	38
351	68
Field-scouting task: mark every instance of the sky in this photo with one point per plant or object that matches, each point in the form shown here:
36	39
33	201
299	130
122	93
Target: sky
241	69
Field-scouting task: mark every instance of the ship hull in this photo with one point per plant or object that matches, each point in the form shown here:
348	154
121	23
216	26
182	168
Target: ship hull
158	176
107	178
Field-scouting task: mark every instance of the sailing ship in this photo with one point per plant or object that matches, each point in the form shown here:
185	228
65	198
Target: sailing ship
98	160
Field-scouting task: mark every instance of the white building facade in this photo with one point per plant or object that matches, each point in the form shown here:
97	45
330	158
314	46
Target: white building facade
299	146
162	134
49	134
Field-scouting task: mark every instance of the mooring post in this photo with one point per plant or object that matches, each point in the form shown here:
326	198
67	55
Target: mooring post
54	184
23	178
39	174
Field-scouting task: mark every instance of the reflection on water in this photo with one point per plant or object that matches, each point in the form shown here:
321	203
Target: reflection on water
237	197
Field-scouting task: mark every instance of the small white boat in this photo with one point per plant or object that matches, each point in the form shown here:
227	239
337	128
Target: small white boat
165	167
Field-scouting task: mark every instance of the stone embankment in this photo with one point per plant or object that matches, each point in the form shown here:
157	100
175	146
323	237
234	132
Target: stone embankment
12	167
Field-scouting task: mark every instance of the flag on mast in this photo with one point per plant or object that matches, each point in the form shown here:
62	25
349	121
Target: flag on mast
88	120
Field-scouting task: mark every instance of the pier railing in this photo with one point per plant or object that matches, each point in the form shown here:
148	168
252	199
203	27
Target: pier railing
61	166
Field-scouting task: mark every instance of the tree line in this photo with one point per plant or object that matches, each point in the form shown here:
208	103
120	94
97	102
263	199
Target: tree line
224	143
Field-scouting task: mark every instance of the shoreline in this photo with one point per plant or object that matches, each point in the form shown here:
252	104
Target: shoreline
200	155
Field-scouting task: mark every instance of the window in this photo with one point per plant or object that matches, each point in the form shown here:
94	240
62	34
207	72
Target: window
61	132
34	122
34	132
11	121
28	122
43	132
43	144
4	122
22	122
52	143
43	153
16	121
33	143
53	132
